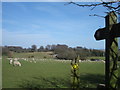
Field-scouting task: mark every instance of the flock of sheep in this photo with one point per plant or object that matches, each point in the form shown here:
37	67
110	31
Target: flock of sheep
16	61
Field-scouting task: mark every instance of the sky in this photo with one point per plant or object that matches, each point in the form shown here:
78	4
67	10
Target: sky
43	23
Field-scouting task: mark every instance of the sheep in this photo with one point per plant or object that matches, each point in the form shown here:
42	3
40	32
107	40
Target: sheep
15	59
25	59
16	63
9	58
33	59
80	61
10	62
103	61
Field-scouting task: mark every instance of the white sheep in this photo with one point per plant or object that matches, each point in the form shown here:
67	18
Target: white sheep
15	59
80	61
16	63
33	59
10	61
103	61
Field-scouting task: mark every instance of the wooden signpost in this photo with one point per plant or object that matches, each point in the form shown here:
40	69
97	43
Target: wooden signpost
75	72
110	34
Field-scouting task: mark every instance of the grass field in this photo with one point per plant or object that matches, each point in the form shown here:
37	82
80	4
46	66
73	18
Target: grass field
101	58
49	73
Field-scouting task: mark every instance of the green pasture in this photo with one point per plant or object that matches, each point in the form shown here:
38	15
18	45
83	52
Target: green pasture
50	74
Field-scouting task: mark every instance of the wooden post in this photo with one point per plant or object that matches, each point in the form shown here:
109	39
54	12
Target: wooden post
110	34
74	72
111	56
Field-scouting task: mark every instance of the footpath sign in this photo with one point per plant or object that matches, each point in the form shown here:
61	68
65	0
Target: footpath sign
110	34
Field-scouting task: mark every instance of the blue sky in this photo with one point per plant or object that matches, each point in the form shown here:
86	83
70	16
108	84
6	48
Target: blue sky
42	23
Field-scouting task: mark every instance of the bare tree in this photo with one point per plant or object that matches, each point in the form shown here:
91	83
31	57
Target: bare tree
112	5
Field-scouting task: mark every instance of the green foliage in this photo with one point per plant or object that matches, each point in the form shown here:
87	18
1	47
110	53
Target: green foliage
62	51
84	52
66	54
40	55
41	49
34	48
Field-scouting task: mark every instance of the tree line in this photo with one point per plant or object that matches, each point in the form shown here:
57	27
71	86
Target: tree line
59	51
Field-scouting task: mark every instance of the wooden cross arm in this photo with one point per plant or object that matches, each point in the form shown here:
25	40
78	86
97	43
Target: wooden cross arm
115	30
103	33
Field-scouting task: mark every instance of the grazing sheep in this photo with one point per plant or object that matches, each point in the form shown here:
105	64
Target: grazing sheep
15	59
33	59
80	61
10	62
9	58
25	59
103	61
16	63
